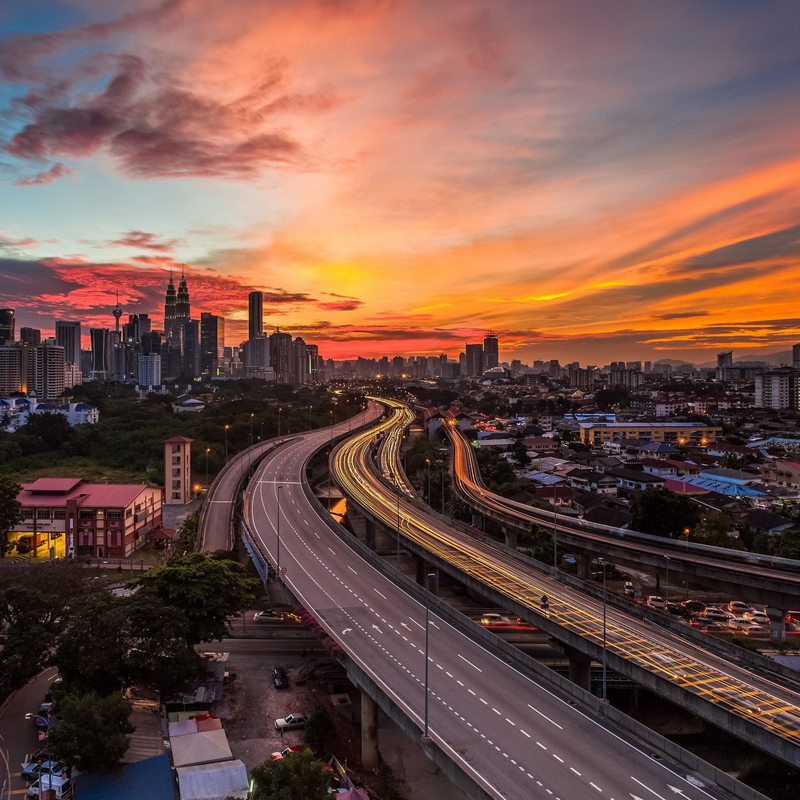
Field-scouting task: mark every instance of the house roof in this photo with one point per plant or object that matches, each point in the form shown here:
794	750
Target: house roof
635	475
764	520
211	781
151	778
178	440
55	492
603	515
200	748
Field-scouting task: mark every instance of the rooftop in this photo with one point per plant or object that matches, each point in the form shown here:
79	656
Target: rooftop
55	492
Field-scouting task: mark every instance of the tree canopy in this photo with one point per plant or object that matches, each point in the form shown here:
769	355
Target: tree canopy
298	777
10	511
661	512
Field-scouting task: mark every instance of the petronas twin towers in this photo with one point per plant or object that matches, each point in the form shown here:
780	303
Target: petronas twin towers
177	309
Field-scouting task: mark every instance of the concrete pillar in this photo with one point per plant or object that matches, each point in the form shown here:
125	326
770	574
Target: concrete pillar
432	580
580	668
369	732
369	533
477	520
511	537
777	625
584	567
421	569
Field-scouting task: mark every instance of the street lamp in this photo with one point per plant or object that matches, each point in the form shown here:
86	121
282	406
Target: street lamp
666	582
442	487
226	443
397	486
555	534
251	429
605	652
279	422
278	552
428	462
208	450
426	739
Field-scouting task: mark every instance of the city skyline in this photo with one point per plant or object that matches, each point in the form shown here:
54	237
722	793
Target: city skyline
591	186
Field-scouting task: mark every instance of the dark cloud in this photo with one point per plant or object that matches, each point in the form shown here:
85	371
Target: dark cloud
682	315
46	176
147	241
341	305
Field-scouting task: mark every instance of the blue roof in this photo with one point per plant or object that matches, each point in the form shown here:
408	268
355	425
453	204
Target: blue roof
83	407
151	778
720	486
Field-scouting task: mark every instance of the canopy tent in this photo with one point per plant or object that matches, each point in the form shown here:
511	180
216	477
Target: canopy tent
182	727
208	724
212	781
200	748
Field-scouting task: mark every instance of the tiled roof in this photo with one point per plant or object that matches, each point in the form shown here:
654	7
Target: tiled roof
178	440
88	495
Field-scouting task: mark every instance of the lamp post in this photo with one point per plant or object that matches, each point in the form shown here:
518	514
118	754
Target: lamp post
251	429
555	534
279	422
426	739
666	582
278	552
208	450
226	443
605	659
333	422
428	462
442	487
397	486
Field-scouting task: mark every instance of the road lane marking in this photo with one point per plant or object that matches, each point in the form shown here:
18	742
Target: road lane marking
545	716
572	769
382	595
470	663
352	570
524	733
595	786
648	788
558	758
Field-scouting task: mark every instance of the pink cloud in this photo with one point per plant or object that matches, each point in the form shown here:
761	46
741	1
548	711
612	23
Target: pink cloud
146	241
47	176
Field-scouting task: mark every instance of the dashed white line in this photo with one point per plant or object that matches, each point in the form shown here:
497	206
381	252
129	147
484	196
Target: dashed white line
382	595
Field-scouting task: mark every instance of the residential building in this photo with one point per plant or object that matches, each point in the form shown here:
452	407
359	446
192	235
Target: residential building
682	433
70	517
46	370
796	356
178	470
724	361
68	336
280	345
10	369
255	315
784	473
15	412
257	359
150	370
474	365
777	389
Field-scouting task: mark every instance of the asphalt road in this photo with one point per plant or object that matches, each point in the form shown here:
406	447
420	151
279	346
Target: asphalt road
515	737
18	736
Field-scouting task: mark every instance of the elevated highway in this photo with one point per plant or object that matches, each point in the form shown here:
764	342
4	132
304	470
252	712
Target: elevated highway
754	708
763	579
508	736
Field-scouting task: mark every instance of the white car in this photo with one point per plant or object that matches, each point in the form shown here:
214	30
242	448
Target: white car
717	614
757	616
654	601
738	607
291	722
742	624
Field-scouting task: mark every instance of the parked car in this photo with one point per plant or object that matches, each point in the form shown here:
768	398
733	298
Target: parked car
654	601
757	616
738	607
718	614
279	678
287	751
60	787
291	722
36	768
629	589
742	624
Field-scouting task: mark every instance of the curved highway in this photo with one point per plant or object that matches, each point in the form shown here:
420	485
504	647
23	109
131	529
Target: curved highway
512	735
758	700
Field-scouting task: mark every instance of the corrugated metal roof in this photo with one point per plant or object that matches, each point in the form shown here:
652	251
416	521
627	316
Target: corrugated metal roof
151	778
90	495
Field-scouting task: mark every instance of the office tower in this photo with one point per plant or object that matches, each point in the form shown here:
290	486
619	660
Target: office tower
796	356
191	348
30	336
212	343
150	370
45	363
101	352
299	369
313	362
68	336
255	315
648	367
257	360
724	360
183	308
7	325
473	363
152	342
279	346
134	328
10	369
491	351
124	361
169	307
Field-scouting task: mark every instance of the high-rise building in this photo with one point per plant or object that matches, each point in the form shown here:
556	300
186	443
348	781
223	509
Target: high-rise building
45	370
724	360
68	336
101	353
30	336
796	356
7	325
150	370
178	471
10	369
152	342
170	310
117	312
279	347
256	357
777	389
255	315
191	348
474	360
212	343
299	370
183	308
491	351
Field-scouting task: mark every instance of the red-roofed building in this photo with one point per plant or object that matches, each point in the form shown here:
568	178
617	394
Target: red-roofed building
67	516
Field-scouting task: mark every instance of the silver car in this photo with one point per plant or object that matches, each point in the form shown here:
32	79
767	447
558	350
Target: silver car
291	722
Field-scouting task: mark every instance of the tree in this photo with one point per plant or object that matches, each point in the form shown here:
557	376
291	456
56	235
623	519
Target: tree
10	511
540	543
298	777
207	591
92	731
51	430
789	544
661	512
520	453
320	732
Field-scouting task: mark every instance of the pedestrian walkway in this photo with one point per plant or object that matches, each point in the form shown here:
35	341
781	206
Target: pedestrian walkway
147	740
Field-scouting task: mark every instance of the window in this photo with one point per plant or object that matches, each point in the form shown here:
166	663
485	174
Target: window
86	515
176	448
43	513
176	460
114	515
128	513
176	484
176	495
176	473
137	507
27	513
58	514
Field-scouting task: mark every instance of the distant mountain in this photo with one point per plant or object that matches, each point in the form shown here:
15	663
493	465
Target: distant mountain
774	359
675	362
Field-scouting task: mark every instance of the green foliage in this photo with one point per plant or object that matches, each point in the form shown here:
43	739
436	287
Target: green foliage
520	453
187	535
47	431
207	591
660	512
606	399
788	544
92	732
10	511
713	530
496	472
298	777
539	543
320	732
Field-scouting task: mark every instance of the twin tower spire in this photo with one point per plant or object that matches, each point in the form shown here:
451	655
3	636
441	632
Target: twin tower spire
177	308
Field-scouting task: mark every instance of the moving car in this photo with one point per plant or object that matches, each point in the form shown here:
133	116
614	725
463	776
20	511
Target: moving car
654	601
266	616
287	751
291	722
738	607
718	614
757	616
739	623
694	606
629	589
279	678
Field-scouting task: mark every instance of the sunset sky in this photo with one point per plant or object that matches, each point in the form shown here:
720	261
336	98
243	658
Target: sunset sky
592	179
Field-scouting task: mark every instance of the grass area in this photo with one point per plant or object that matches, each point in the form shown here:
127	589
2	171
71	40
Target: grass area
75	467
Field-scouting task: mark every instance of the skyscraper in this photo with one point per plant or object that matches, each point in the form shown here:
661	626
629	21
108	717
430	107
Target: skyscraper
101	352
255	315
279	346
68	336
45	370
724	360
169	307
30	336
191	348
7	325
212	343
491	351
183	308
474	360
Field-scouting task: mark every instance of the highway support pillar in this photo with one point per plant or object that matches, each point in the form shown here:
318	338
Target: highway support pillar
580	668
477	520
369	732
421	570
584	567
777	625
510	536
369	533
